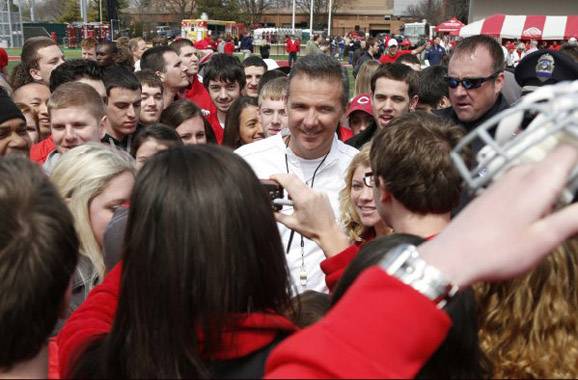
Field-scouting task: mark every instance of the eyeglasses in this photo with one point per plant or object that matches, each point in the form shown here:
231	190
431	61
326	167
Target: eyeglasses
470	83
368	179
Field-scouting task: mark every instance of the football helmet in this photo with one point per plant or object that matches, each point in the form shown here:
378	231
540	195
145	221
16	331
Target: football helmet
522	134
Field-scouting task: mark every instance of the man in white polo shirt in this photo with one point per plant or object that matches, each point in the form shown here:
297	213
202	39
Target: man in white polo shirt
309	148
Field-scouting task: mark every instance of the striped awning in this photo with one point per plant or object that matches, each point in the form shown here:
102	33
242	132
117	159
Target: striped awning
524	27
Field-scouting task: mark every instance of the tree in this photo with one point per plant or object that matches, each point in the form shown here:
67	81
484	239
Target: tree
71	11
49	10
218	9
254	9
431	10
184	8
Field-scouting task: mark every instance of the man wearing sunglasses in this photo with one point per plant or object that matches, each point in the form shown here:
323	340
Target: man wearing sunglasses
475	79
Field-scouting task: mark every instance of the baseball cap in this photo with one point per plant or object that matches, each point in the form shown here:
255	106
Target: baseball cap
392	42
360	103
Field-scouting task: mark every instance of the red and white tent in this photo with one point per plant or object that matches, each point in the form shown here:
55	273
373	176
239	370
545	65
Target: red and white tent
451	26
524	27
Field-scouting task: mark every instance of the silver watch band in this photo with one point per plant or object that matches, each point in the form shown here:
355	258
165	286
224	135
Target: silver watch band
404	263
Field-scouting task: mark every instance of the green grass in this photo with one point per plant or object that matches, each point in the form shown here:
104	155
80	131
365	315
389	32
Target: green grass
75	53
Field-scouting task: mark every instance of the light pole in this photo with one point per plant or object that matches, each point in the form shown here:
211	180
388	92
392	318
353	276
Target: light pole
311	21
329	23
293	20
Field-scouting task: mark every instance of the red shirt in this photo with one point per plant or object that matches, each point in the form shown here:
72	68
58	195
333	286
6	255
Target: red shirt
293	46
39	152
198	94
387	58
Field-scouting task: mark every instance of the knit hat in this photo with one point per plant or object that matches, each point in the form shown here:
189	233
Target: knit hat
8	109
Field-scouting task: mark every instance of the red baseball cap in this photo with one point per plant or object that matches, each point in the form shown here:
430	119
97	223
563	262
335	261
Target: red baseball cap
3	58
361	103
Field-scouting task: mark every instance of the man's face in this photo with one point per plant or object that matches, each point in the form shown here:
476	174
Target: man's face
123	112
36	96
437	41
314	108
273	116
174	76
140	49
14	140
359	121
104	55
253	74
390	100
471	105
374	48
224	94
190	60
393	50
72	127
49	58
89	54
152	104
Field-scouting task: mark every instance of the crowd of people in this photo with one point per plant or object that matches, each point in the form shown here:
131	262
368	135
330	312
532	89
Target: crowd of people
139	241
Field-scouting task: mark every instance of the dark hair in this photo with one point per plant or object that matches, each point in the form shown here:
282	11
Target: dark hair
225	68
433	85
180	111
124	58
149	78
153	59
200	278
20	76
160	132
399	72
38	255
322	67
459	355
108	45
269	76
571	50
232	137
470	44
120	77
177	45
409	58
29	55
254	60
308	308
412	155
74	70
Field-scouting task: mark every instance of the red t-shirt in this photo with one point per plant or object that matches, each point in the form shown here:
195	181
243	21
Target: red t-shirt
39	152
387	58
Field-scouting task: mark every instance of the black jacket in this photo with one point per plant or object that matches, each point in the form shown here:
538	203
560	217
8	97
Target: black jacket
359	140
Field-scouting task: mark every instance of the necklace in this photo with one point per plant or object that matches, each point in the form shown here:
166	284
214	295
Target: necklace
303	270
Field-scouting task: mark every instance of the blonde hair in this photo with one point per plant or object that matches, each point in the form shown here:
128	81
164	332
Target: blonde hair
528	326
133	43
275	89
81	175
363	80
349	217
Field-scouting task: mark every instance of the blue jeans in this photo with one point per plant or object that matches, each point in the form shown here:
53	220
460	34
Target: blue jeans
350	57
292	58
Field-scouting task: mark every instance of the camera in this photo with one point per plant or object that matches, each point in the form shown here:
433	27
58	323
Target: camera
275	192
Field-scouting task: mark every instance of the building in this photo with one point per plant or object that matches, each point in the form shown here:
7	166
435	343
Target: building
364	16
10	25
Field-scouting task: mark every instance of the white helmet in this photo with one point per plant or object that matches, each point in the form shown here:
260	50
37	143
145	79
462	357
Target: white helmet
525	133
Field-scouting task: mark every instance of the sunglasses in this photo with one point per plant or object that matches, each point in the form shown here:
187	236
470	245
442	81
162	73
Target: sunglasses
469	83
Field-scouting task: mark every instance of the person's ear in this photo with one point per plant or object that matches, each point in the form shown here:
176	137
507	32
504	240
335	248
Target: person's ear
102	127
34	73
161	75
413	103
500	80
384	195
444	102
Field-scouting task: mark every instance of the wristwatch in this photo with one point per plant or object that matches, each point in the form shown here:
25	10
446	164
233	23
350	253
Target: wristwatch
404	263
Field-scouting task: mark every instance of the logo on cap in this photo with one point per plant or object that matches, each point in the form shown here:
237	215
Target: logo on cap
363	100
545	67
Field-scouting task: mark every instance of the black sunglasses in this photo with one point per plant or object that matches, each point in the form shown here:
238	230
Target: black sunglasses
470	83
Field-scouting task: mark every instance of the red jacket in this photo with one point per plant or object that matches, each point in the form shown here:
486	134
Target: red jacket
198	94
381	328
39	152
293	47
96	316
